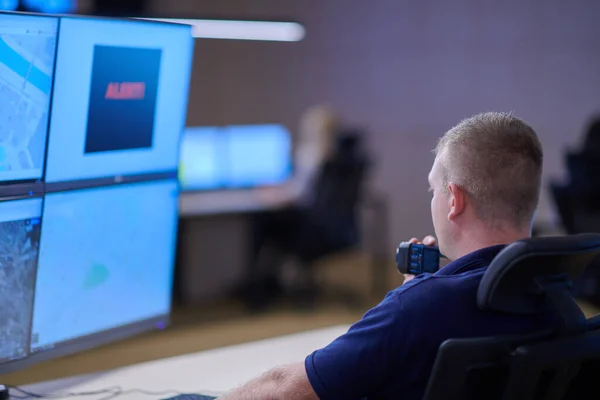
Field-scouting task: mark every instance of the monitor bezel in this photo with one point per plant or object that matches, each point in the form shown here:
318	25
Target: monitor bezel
64	186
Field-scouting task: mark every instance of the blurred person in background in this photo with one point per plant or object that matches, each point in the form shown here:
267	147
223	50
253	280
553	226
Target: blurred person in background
485	185
273	231
313	146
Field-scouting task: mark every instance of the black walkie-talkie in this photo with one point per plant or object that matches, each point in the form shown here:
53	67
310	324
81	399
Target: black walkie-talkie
416	259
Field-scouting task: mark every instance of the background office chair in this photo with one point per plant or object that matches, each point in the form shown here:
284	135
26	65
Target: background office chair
326	224
578	201
331	223
560	363
578	205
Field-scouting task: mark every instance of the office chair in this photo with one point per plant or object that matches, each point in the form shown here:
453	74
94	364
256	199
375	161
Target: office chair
578	201
563	362
331	222
583	167
578	205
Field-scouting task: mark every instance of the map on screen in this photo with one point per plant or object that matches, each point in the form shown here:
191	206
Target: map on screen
27	51
19	242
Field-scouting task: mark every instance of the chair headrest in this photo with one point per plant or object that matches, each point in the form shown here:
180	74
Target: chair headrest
512	281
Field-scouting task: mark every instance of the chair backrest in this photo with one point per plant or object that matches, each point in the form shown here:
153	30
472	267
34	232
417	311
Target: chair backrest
527	277
578	201
530	273
584	168
339	186
565	206
530	367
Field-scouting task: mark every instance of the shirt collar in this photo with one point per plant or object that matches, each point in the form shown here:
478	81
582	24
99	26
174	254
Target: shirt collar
477	259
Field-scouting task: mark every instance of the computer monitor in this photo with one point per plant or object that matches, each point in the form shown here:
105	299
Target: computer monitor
50	6
19	244
92	260
235	157
259	155
27	54
120	100
202	163
105	266
84	267
9	5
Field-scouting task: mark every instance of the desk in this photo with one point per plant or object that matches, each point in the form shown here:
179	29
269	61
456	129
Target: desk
213	241
213	371
193	204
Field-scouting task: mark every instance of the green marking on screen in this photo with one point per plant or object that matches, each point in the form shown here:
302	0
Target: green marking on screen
96	276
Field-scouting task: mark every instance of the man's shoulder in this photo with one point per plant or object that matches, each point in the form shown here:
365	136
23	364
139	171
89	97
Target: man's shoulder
428	298
423	301
436	285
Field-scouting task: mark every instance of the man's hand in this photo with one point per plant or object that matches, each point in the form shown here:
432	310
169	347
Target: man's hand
427	241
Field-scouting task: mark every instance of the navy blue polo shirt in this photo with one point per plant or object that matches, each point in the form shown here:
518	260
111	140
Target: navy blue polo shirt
389	353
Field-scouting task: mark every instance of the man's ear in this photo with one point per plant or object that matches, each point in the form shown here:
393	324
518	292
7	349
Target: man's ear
457	201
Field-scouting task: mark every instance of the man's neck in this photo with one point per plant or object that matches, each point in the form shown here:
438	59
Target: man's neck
480	240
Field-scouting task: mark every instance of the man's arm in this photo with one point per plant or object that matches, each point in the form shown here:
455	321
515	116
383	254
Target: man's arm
288	382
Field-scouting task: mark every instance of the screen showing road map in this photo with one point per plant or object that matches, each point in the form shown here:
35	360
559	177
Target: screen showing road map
27	51
19	244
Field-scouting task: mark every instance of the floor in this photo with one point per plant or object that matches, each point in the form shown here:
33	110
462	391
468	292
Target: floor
218	324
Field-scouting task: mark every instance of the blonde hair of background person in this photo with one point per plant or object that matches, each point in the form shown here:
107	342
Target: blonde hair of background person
485	183
313	146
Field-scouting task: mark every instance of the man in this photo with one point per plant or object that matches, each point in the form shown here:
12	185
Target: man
485	183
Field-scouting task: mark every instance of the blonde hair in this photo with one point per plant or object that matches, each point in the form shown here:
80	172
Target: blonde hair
316	133
497	160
